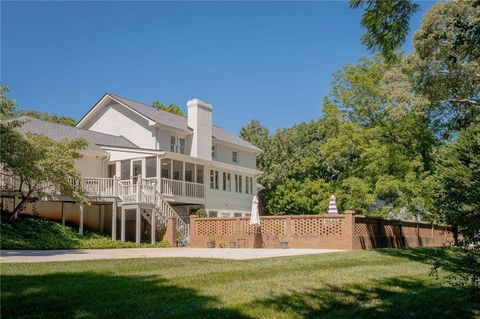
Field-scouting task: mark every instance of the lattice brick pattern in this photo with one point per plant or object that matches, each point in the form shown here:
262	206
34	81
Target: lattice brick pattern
215	227
392	230
318	226
273	226
246	228
366	227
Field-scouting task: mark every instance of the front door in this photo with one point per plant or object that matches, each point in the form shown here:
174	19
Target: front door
136	170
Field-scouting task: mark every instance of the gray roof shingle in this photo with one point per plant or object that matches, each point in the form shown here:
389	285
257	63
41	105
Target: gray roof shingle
59	132
181	122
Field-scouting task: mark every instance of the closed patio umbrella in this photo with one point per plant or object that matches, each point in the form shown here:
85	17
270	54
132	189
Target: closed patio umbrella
332	205
254	216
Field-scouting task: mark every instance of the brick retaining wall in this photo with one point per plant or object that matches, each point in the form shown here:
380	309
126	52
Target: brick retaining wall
340	231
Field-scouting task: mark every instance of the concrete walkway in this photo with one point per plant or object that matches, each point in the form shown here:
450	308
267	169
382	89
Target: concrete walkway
30	256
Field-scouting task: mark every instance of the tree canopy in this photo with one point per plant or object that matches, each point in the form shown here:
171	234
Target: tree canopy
386	125
172	108
38	164
45	116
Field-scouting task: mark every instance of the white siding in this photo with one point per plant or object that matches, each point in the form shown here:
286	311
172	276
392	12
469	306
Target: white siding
228	201
90	166
224	155
118	120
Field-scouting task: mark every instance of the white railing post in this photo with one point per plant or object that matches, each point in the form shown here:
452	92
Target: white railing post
139	188
115	185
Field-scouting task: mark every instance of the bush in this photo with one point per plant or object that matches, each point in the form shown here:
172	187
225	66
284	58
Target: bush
39	233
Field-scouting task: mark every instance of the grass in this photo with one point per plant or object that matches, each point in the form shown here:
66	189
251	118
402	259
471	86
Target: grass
361	284
38	233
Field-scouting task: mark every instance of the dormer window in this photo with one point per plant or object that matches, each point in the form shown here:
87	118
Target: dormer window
177	144
214	151
235	156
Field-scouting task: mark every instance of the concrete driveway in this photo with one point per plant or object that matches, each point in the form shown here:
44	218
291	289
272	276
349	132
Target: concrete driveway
30	256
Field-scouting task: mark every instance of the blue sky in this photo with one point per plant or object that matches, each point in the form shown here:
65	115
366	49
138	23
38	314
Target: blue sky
272	61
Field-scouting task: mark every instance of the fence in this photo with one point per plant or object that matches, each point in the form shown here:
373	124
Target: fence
340	231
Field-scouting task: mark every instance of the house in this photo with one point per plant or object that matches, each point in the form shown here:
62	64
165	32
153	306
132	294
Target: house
144	167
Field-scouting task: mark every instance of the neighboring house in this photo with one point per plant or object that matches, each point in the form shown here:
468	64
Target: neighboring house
144	162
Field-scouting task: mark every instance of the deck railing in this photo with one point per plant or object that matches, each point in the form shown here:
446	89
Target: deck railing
140	191
172	187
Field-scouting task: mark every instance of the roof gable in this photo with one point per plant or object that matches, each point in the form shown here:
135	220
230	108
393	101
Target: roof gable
164	118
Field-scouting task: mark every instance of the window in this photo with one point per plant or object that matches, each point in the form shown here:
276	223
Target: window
212	213
237	214
214	151
227	185
200	174
238	183
213	179
235	156
249	185
125	170
177	144
151	167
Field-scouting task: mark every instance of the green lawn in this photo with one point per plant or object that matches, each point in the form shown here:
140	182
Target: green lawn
37	233
361	284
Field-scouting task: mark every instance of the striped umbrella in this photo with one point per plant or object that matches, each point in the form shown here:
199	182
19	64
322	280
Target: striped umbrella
332	205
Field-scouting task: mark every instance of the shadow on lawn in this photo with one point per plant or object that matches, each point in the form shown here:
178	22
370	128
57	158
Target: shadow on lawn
392	298
96	295
451	261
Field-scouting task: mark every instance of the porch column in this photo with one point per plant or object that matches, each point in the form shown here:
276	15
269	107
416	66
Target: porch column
159	175
152	224
184	186
114	220
137	225
101	213
80	230
122	225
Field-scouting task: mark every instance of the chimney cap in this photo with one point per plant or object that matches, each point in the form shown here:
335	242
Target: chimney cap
199	103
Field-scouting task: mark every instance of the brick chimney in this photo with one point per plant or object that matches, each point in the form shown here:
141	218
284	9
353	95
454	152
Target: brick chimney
200	120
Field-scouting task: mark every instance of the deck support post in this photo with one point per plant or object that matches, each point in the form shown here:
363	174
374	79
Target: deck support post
152	224
63	214
138	224
80	230
122	225
114	220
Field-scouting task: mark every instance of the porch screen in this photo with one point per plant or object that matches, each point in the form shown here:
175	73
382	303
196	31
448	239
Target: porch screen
189	172
178	170
125	170
151	167
200	174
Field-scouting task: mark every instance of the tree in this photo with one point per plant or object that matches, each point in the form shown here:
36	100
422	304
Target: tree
172	108
41	166
45	116
387	24
259	135
256	133
458	175
7	106
37	164
445	65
